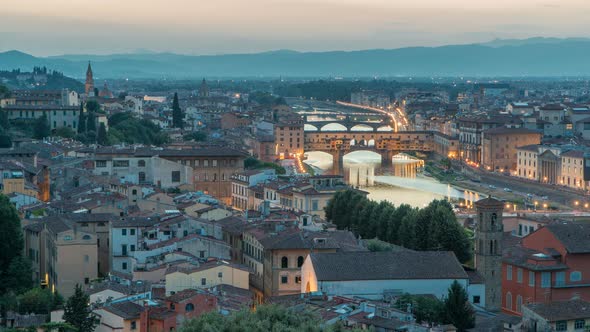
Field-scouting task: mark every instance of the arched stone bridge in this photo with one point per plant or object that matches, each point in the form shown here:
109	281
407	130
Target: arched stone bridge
373	122
387	144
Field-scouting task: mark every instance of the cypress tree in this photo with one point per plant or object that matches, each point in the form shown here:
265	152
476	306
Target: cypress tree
177	115
457	309
77	312
15	270
42	128
101	137
81	121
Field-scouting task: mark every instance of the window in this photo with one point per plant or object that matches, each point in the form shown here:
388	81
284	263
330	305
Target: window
476	299
132	231
298	279
284	262
203	281
175	176
132	247
205	163
124	231
202	254
134	325
314	205
86	258
579	324
220	275
299	261
189	307
561	325
124	266
214	163
141	163
141	177
284	279
101	163
508	272
560	278
509	301
86	237
68	238
518	303
120	163
545	279
575	276
531	278
86	281
519	275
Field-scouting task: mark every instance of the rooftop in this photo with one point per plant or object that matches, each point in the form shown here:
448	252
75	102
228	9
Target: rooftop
387	265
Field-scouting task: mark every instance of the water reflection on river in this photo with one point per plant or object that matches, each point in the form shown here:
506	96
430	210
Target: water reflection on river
403	182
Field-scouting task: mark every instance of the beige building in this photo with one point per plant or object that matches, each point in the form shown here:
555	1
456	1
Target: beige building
572	169
189	276
567	316
62	254
499	148
288	135
526	166
119	317
285	253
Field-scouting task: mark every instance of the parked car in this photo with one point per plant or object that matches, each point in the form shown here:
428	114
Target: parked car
491	186
508	190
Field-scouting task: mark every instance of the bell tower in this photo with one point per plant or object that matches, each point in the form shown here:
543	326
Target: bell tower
488	249
89	86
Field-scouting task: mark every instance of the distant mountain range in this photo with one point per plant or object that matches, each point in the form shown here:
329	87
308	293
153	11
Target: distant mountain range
527	57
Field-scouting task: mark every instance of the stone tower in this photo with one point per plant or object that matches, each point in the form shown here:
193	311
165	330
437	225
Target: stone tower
488	250
89	86
204	89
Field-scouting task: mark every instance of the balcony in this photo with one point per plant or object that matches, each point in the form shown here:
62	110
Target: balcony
571	284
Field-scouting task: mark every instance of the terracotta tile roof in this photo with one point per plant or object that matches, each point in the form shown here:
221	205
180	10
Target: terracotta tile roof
352	266
562	310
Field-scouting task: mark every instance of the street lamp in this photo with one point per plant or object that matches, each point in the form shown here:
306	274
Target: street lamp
576	203
536	203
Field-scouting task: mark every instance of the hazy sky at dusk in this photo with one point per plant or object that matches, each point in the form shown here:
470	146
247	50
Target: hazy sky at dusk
50	27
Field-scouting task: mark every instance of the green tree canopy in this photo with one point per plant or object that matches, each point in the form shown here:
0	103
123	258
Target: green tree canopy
77	312
15	270
101	137
434	227
457	309
177	116
42	128
266	318
39	301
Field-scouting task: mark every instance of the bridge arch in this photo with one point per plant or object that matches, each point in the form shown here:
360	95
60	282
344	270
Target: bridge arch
385	128
308	127
333	126
362	127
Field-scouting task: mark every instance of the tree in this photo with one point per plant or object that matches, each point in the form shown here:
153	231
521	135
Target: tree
266	318
42	128
92	106
65	132
12	265
81	121
77	312
90	122
101	137
457	309
177	115
4	123
37	300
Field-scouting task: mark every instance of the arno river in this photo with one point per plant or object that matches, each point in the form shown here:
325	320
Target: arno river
403	182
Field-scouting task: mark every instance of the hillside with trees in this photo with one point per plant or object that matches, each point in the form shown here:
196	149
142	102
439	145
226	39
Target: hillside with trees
434	227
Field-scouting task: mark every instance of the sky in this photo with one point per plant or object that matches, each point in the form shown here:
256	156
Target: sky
55	27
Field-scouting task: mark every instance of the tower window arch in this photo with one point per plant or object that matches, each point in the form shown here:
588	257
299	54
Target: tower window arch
493	220
509	301
284	262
